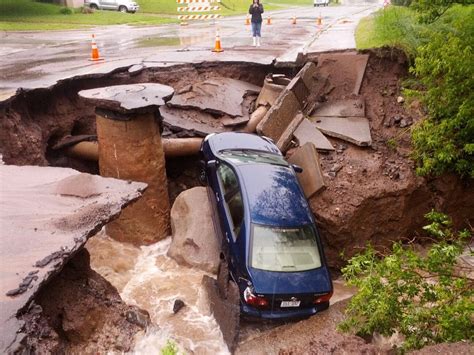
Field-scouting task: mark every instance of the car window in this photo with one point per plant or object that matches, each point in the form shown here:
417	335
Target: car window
284	249
232	197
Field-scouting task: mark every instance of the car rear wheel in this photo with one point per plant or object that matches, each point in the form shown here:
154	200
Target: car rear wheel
223	278
94	7
122	9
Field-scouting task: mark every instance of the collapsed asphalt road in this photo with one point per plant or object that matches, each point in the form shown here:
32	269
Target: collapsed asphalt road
41	59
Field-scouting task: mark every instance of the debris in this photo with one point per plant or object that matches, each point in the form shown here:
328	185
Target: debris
191	122
279	117
352	129
222	96
194	241
135	69
134	98
311	179
341	108
226	311
400	100
347	70
178	304
308	133
232	122
273	85
138	317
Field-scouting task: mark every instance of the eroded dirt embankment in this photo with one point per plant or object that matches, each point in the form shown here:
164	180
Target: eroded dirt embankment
373	194
80	312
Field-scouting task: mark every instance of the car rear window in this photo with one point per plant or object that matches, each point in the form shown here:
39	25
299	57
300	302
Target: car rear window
253	156
284	249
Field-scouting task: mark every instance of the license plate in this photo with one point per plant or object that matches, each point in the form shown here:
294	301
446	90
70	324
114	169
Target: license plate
290	303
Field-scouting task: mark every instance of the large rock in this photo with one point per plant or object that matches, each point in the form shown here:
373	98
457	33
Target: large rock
194	242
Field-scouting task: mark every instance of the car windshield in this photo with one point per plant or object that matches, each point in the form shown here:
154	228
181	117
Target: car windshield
284	249
253	156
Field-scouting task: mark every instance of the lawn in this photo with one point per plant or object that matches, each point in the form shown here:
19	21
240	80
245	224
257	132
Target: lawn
24	15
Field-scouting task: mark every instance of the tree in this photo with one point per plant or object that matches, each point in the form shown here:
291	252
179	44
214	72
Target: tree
427	298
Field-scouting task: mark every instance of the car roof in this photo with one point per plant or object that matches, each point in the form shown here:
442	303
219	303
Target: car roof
274	195
237	140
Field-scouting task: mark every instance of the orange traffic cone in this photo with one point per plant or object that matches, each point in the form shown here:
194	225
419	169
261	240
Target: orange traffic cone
269	20
319	21
247	20
217	46
95	56
293	20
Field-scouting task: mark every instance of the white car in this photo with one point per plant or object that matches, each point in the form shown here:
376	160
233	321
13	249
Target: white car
321	3
117	5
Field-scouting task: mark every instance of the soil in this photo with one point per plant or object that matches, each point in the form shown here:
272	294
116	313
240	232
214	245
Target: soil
373	194
80	312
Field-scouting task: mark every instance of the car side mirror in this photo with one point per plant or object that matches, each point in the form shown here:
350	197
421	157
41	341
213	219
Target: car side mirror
212	164
297	168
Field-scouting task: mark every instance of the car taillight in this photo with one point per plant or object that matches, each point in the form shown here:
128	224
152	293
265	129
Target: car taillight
254	300
322	298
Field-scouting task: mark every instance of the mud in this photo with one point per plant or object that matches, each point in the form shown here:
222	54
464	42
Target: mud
373	194
80	312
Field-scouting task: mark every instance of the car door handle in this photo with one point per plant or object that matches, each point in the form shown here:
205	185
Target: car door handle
217	197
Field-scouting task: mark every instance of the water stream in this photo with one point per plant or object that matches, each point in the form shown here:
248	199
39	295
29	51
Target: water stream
146	277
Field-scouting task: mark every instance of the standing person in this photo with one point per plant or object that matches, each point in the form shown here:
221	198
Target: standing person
256	10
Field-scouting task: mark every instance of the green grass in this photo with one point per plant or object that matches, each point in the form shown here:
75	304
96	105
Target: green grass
393	27
26	15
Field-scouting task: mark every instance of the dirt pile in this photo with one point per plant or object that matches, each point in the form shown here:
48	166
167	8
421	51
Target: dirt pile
80	312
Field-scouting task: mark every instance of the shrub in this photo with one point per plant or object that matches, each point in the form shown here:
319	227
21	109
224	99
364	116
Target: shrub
66	11
170	349
444	141
424	297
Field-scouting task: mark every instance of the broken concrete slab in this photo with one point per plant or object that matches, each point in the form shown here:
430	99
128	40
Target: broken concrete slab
345	70
273	85
46	216
308	133
280	115
311	179
226	311
287	134
194	242
352	129
223	96
191	122
232	122
341	108
134	98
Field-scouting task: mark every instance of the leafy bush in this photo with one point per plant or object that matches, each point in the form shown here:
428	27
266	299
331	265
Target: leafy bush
424	297
66	11
445	67
170	349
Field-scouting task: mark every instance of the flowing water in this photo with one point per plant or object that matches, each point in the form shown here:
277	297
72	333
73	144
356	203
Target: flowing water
148	278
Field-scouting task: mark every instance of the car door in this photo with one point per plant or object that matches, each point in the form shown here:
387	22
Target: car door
231	210
108	4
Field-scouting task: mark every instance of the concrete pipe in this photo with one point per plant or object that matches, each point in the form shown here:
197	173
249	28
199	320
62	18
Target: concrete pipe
173	147
255	119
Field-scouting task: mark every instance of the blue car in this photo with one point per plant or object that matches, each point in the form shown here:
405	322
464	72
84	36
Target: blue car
272	254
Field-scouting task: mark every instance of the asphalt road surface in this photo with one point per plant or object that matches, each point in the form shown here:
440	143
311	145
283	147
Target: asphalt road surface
39	59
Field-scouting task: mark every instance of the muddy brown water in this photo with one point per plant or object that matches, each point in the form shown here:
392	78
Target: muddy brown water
147	278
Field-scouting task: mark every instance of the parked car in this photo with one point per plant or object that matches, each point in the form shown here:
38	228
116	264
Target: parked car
117	5
321	3
271	249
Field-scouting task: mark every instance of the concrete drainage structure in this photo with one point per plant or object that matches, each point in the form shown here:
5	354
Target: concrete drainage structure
130	148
